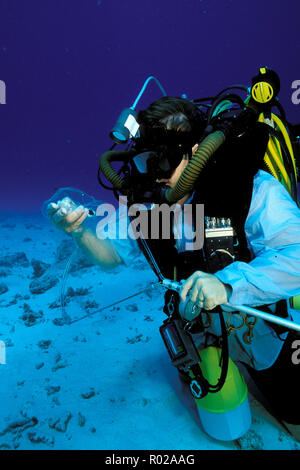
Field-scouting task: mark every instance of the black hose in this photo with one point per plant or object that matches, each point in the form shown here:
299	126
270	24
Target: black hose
186	182
238	87
105	166
228	97
225	357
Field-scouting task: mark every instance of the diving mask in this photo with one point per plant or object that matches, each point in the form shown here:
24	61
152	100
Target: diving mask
163	152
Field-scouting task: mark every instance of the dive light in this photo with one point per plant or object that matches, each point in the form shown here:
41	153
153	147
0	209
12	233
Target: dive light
127	125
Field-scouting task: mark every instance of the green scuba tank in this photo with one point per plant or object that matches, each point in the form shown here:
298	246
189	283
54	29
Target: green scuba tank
225	415
219	389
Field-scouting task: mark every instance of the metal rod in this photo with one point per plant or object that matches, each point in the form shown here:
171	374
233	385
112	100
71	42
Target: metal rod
168	284
265	316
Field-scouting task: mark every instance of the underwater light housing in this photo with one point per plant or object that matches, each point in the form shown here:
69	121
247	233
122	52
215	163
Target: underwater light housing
127	125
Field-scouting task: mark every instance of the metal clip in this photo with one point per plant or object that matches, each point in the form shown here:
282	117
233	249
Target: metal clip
248	335
230	327
171	306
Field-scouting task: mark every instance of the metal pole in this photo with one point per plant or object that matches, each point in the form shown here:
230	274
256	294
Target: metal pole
168	284
265	316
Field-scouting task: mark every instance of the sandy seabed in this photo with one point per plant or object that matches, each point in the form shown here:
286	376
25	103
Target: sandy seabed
100	382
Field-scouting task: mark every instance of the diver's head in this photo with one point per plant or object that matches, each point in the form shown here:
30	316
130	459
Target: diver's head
169	128
179	113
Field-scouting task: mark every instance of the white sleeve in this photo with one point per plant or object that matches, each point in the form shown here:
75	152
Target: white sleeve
273	233
118	230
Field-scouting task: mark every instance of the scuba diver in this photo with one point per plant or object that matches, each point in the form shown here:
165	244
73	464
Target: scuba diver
235	157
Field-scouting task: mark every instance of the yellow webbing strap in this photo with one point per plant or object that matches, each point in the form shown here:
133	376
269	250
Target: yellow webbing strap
273	160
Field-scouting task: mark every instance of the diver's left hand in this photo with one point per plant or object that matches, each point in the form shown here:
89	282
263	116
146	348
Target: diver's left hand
205	290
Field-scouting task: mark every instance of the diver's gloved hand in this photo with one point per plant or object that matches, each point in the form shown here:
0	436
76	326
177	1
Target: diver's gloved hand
235	122
66	216
205	290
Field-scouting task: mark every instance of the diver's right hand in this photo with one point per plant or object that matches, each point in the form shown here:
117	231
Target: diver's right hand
68	221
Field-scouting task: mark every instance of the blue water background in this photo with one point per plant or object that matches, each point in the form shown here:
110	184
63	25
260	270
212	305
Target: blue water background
70	67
